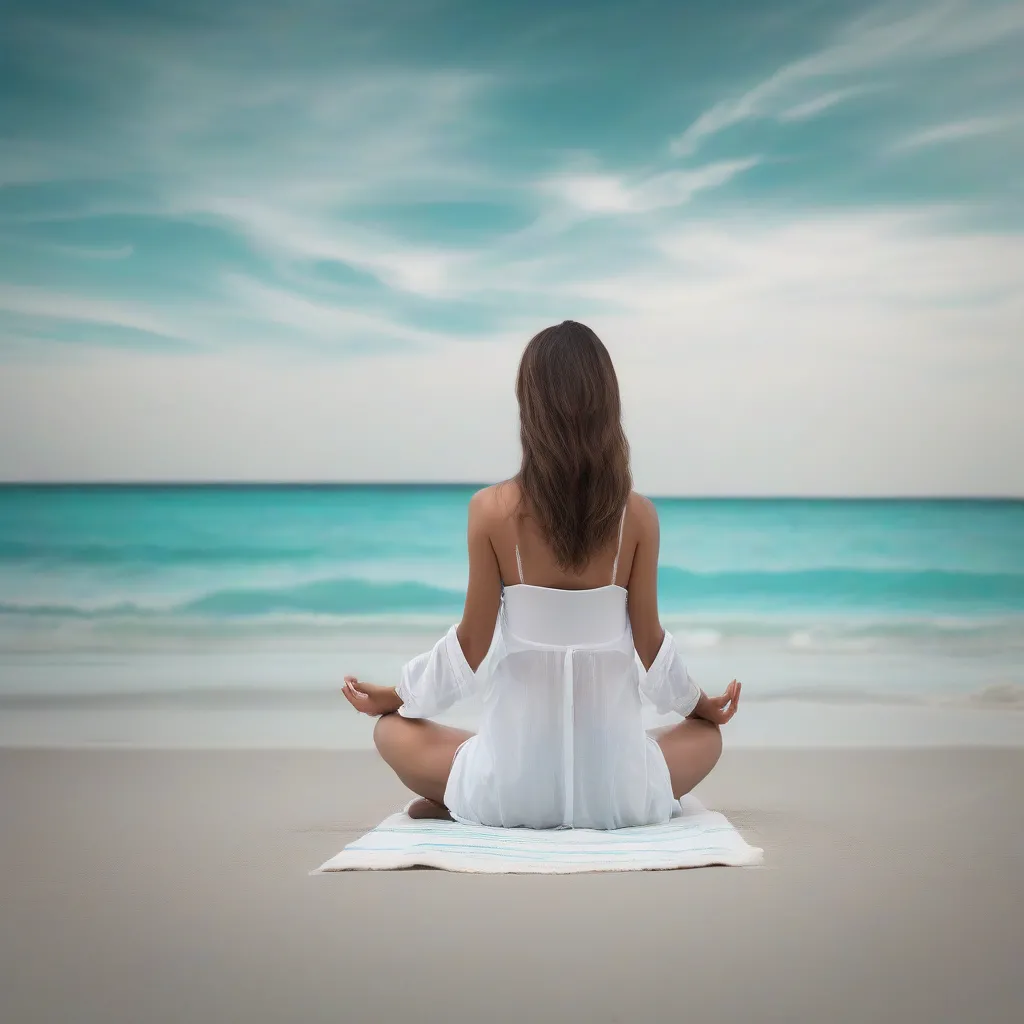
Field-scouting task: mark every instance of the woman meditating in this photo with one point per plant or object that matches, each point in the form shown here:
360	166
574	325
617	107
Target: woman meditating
563	560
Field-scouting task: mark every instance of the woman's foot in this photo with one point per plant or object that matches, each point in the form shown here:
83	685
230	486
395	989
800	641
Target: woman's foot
424	808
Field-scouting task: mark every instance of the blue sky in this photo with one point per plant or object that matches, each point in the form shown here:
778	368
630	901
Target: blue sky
309	240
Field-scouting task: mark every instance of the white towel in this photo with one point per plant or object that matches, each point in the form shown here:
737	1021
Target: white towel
696	838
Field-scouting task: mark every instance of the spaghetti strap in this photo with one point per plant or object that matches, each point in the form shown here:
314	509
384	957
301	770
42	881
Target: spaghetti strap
618	550
519	561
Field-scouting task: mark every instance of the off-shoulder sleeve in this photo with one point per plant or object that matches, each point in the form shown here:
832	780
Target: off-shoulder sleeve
667	683
435	680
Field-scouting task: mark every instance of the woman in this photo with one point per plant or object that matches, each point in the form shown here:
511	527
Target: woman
564	559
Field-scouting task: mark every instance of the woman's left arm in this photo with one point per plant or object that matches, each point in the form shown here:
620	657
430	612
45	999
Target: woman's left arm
483	593
435	680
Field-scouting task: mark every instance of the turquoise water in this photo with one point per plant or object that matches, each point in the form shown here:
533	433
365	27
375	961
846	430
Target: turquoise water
248	553
126	591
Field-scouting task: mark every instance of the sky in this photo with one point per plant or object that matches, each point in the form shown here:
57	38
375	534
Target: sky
309	241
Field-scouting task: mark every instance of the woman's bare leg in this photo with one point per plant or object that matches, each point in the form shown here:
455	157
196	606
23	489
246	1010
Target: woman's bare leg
421	754
691	748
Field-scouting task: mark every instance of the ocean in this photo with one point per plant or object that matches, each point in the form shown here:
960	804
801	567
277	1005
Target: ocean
229	614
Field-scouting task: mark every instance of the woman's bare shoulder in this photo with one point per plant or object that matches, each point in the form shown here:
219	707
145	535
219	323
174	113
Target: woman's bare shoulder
495	504
642	511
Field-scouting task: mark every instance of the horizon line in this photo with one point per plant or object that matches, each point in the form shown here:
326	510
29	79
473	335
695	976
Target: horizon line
465	485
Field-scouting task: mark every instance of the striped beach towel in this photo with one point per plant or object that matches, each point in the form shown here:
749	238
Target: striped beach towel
696	838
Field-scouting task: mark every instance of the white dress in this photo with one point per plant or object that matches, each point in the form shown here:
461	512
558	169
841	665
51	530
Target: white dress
561	740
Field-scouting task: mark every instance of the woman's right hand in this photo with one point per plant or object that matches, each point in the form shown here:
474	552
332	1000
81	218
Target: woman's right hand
370	699
719	709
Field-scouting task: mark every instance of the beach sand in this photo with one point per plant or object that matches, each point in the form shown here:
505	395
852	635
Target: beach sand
172	886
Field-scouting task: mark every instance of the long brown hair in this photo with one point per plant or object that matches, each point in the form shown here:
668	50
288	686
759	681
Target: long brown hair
574	478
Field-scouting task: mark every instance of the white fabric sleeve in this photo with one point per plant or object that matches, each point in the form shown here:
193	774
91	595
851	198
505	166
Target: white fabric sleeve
432	682
667	683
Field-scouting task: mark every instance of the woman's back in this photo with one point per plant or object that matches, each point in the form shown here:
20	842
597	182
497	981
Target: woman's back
563	709
525	556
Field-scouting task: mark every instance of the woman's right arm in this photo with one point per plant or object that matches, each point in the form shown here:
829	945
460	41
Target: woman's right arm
667	682
643	584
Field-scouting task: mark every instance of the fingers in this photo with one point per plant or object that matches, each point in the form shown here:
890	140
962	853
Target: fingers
725	706
359	701
354	694
732	691
723	701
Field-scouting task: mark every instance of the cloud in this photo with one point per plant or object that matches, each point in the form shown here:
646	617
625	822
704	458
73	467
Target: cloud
956	131
819	104
324	320
866	350
325	230
612	194
865	46
298	233
288	161
829	267
312	166
49	304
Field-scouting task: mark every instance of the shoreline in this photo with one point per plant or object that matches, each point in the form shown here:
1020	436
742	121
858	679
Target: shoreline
325	722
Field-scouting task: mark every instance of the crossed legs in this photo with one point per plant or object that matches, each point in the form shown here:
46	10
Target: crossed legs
421	753
692	748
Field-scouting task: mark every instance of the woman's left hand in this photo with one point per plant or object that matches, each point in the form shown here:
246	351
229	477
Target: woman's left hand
720	709
370	699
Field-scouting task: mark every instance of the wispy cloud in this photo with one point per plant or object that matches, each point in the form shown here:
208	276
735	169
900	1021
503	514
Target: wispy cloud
865	46
819	104
611	194
50	304
314	169
326	321
956	131
295	231
824	272
819	352
336	191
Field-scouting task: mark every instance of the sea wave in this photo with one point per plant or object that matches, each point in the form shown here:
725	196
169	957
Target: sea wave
341	597
154	556
838	588
1003	695
873	601
1008	697
698	639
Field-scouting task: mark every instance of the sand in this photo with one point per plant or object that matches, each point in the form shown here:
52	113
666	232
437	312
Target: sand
145	887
